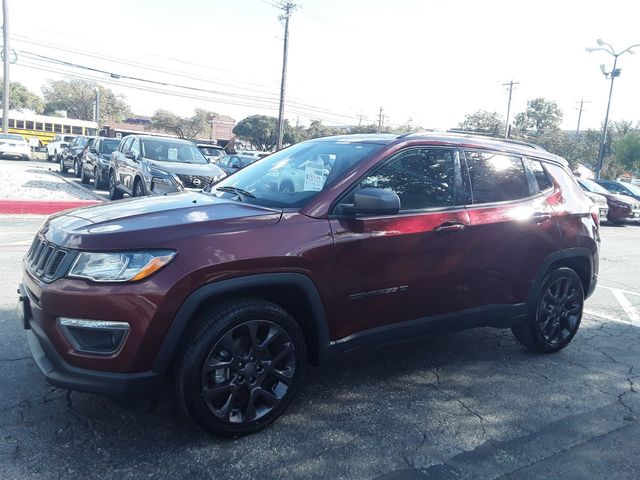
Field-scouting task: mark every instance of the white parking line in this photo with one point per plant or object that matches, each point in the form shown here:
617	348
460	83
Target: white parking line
604	316
626	306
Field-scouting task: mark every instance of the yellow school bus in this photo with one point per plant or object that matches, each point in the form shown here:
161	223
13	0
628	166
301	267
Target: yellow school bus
44	128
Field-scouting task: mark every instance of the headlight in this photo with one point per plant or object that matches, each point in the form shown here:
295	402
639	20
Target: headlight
161	177
120	266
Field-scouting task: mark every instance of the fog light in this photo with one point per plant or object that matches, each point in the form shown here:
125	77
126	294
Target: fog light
94	336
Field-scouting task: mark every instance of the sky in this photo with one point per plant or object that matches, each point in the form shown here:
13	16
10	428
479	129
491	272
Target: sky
431	61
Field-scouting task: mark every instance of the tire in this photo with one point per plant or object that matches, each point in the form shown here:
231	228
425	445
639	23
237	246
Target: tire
138	189
83	176
267	377
555	316
63	167
114	193
49	157
286	187
76	168
98	183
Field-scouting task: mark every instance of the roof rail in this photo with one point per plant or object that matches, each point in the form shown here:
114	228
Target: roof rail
500	139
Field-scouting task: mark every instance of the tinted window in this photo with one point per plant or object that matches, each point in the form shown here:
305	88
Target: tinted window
542	177
613	187
422	178
126	145
495	177
108	146
168	151
135	147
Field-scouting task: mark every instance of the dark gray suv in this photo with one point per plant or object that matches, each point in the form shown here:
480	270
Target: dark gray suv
146	165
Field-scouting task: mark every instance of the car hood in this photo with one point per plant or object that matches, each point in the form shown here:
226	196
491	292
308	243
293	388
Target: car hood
178	168
596	198
150	222
622	198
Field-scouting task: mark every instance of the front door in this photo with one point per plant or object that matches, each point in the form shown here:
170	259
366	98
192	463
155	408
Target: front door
407	266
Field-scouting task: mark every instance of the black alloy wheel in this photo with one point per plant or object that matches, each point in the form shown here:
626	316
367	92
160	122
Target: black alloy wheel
240	366
555	320
248	371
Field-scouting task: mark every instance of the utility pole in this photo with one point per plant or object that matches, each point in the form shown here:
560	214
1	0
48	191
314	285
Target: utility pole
580	110
98	107
287	8
6	56
506	125
380	120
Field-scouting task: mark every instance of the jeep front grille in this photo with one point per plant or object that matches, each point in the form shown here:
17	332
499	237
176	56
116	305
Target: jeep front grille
44	259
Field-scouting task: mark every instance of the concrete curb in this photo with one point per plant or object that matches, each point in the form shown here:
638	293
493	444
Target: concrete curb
40	207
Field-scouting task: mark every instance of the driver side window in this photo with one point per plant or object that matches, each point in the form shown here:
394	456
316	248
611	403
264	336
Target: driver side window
422	178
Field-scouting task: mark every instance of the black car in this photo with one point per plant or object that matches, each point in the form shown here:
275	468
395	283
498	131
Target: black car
72	154
621	188
232	163
95	161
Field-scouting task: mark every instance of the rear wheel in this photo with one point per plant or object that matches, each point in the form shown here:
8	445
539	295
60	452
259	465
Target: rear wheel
63	167
98	182
114	193
554	319
76	168
240	366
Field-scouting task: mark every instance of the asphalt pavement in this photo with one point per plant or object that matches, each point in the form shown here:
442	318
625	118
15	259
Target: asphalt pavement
470	405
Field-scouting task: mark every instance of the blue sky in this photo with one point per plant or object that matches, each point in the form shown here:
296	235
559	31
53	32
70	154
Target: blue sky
430	60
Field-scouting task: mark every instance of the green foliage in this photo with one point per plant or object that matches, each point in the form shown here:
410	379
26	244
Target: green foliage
260	131
626	151
193	127
484	122
21	98
77	97
540	116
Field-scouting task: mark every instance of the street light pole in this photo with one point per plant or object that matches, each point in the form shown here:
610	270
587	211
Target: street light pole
7	60
615	72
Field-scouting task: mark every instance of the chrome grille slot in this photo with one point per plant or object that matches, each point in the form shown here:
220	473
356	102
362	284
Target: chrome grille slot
44	257
54	263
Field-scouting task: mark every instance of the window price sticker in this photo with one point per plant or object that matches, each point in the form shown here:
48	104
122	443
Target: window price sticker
313	176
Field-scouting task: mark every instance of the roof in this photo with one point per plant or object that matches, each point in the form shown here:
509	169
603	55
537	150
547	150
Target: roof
452	139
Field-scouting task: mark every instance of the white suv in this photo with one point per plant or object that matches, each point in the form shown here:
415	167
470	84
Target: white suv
54	148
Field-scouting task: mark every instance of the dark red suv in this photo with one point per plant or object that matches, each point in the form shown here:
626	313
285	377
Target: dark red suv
323	247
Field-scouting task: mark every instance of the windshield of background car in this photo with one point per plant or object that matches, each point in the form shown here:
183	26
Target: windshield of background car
67	139
167	151
109	146
594	187
293	176
632	188
8	136
82	141
212	152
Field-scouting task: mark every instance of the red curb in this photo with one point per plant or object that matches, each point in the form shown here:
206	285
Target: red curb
41	207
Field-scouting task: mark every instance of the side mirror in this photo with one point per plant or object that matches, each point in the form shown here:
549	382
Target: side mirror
376	201
131	155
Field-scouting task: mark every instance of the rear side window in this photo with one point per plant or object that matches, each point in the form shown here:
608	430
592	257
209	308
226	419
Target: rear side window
496	177
541	175
421	177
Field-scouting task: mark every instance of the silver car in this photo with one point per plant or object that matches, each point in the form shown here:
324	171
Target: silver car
148	165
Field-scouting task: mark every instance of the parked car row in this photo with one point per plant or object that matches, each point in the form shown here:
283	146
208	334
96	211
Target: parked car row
621	207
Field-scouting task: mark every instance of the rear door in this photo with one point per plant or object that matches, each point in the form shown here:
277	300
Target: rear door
512	227
407	266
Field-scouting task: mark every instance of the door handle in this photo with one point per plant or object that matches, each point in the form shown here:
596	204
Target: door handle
450	227
540	217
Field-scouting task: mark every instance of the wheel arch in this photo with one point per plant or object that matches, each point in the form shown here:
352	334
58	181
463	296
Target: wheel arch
578	259
294	292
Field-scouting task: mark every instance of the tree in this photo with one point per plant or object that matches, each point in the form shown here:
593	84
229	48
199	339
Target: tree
483	121
77	97
21	98
626	151
260	131
189	128
540	116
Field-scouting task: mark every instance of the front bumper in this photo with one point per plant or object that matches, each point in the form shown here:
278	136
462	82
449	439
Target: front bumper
62	374
6	151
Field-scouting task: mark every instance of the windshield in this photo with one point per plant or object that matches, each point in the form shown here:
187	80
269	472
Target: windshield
68	139
291	177
212	152
82	141
593	186
632	188
8	136
109	146
167	151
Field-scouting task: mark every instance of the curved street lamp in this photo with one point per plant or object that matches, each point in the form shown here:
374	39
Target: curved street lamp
615	72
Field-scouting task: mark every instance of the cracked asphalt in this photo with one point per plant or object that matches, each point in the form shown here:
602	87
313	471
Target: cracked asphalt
470	405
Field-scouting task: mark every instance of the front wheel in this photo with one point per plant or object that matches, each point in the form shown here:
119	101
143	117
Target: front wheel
240	366
554	319
63	167
83	175
76	168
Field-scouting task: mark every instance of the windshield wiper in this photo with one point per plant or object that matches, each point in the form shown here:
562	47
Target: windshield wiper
238	191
